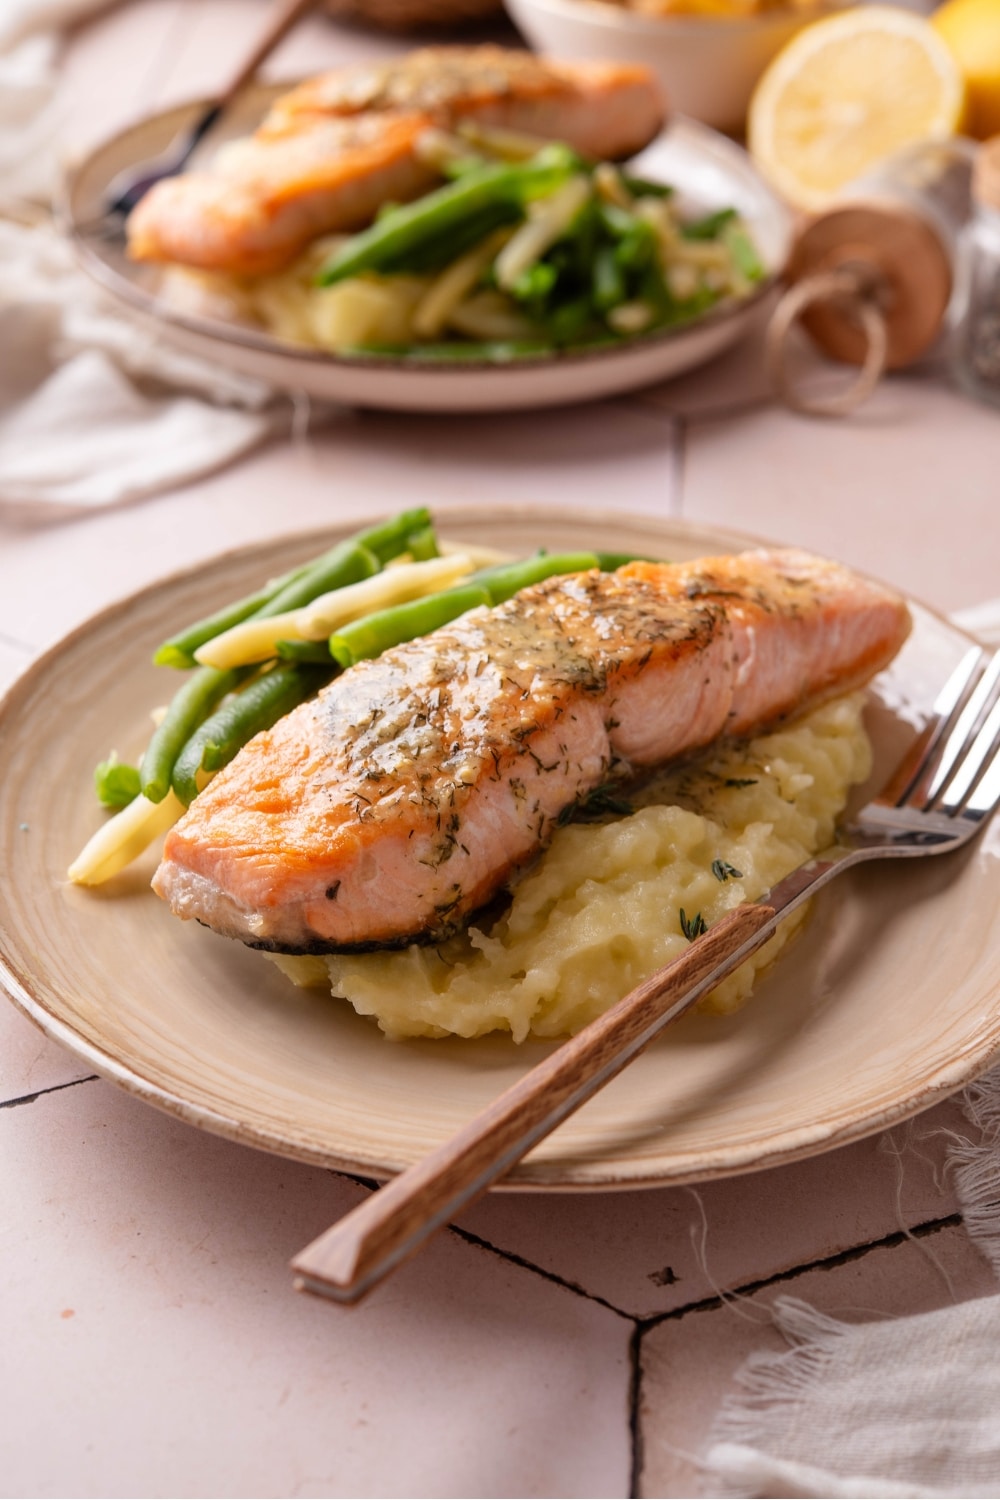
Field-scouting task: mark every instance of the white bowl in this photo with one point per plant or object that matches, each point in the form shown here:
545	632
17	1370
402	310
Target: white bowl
708	65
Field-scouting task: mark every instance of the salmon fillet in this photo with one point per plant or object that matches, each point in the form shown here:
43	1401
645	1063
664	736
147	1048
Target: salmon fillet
407	794
332	151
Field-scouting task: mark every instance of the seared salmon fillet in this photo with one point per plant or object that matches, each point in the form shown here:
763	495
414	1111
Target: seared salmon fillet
406	795
332	151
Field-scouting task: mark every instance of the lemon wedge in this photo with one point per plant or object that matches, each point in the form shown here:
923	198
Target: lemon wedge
847	92
971	30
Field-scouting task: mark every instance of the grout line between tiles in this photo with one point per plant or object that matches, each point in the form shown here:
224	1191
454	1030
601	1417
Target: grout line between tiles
825	1263
643	1323
634	1404
729	413
547	1275
509	1255
56	1088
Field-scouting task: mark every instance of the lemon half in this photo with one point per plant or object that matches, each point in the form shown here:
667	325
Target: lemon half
971	30
847	92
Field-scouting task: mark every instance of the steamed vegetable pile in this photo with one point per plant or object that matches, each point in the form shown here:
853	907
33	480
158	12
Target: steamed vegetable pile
253	661
523	251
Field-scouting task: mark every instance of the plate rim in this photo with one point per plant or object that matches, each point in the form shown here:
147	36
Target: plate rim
16	986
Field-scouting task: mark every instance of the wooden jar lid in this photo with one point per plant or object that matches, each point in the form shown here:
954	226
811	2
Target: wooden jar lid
901	260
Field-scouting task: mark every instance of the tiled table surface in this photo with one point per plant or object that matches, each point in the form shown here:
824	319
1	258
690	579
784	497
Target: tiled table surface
562	1345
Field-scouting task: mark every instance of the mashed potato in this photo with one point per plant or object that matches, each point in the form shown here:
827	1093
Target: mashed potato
608	903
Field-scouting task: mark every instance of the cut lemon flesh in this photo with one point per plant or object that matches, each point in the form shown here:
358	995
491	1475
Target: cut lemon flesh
846	93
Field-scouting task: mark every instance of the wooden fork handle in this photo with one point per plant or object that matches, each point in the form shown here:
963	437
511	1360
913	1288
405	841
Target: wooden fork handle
280	22
349	1259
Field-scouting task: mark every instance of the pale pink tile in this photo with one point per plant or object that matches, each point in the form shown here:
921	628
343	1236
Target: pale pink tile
111	67
13	660
29	1062
735	381
160	1349
357	467
218	33
688	1362
655	1251
906	488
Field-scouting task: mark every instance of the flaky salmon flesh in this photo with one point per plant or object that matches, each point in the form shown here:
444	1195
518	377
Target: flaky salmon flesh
405	796
332	151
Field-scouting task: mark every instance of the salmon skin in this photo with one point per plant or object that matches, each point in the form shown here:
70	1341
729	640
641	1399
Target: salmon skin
332	151
405	796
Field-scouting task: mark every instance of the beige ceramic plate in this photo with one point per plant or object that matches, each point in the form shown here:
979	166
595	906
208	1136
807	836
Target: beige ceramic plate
707	170
890	999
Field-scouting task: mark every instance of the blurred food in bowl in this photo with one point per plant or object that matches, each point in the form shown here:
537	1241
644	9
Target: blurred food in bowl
846	93
707	54
725	9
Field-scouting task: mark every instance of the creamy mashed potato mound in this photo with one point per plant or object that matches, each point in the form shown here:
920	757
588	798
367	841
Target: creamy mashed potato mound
601	909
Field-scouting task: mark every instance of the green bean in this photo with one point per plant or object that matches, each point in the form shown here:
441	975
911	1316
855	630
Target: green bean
257	707
710	227
179	650
308	651
535	283
188	707
641	187
608	280
375	633
423	545
392	240
570	321
386	540
115	782
442	249
744	252
346	563
615	220
637	249
608	562
506	579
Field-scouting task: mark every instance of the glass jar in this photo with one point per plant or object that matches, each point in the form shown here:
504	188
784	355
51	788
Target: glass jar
976	348
932	179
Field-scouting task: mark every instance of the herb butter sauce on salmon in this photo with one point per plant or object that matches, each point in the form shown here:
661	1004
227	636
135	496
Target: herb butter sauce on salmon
408	793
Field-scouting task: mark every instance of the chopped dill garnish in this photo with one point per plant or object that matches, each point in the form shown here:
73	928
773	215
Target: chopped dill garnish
692	927
722	870
597	804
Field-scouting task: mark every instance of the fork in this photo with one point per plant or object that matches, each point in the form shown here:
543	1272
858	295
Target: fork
938	798
131	185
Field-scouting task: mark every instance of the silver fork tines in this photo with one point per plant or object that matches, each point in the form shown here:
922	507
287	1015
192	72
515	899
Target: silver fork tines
969	723
903	782
977	783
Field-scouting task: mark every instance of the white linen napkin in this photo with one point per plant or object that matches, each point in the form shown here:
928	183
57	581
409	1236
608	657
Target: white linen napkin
908	1406
95	410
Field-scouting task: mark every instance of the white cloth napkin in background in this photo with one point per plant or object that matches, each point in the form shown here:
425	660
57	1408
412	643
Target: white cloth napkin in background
29	113
905	1406
95	410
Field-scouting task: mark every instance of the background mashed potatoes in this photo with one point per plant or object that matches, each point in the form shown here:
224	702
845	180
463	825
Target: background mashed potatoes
603	906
